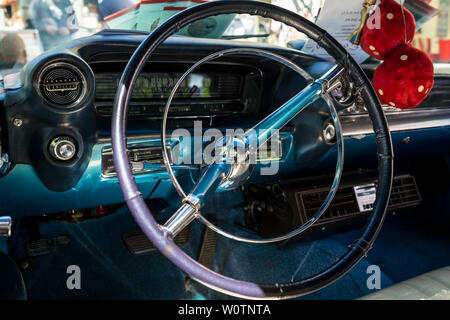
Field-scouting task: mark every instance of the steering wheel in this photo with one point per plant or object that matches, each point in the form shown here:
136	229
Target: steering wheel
222	174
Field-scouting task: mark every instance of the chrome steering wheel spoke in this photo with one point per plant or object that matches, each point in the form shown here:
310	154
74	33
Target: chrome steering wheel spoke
193	202
289	110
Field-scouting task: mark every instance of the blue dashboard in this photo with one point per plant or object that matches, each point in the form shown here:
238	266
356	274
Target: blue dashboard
38	183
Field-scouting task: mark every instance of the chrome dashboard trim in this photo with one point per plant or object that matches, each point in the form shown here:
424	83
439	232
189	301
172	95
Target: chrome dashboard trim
398	120
360	124
440	69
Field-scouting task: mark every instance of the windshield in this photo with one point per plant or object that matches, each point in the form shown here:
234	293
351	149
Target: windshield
31	27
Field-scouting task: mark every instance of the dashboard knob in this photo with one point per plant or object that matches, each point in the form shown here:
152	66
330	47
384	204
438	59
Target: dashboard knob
63	148
329	133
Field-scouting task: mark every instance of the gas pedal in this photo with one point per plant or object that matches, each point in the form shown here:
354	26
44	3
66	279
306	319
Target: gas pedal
194	290
38	247
208	248
138	244
43	246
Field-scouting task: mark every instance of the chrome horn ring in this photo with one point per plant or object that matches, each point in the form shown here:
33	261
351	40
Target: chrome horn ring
338	134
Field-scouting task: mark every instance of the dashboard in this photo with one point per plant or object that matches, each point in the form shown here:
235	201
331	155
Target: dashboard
65	98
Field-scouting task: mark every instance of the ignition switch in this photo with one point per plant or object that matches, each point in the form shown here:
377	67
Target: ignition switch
63	148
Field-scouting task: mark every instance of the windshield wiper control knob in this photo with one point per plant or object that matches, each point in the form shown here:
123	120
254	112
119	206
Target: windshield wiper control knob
63	148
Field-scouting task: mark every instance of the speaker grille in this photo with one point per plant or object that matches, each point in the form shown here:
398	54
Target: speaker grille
62	84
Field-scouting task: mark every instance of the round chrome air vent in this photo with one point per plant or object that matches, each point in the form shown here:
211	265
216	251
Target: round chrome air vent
62	84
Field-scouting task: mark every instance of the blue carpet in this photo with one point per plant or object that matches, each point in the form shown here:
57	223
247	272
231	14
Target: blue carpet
273	263
406	248
109	271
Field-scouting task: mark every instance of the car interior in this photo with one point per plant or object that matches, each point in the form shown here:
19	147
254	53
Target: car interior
102	196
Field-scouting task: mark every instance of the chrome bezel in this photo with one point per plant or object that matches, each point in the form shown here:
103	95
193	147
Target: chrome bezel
54	144
62	64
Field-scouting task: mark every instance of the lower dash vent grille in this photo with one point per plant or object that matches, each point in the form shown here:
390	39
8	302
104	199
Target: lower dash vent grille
345	203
